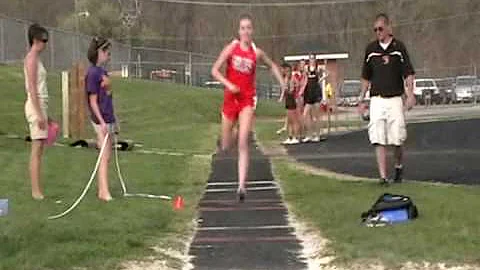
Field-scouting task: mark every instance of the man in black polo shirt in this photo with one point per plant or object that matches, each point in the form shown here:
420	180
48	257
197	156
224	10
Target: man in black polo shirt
386	71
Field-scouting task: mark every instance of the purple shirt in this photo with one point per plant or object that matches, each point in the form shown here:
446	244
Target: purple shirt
93	86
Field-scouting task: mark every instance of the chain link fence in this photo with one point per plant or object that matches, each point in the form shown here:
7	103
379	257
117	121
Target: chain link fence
66	47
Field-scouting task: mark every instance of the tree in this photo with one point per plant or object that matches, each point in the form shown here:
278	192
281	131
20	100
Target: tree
103	19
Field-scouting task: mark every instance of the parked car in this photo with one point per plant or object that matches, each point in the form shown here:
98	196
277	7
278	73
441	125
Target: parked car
467	89
213	84
426	89
349	93
446	87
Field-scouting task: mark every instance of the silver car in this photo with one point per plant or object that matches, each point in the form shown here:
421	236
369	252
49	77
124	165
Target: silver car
467	89
349	93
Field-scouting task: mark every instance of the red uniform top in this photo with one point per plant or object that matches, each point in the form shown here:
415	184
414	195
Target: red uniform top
241	70
298	77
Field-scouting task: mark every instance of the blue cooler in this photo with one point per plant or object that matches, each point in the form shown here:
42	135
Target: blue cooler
395	216
3	207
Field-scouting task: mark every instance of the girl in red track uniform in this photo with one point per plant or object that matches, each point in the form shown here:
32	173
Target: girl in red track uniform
239	103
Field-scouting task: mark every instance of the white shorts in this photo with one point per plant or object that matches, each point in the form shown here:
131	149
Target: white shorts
387	121
32	118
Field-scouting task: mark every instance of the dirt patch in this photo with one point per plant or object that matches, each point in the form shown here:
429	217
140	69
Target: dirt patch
166	258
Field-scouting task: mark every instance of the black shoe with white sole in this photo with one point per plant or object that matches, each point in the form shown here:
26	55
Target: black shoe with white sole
241	196
398	175
384	181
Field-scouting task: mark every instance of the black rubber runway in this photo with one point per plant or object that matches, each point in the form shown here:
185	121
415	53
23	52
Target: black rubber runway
446	152
251	235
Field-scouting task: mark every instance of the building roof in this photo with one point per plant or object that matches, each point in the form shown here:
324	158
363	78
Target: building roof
328	56
320	49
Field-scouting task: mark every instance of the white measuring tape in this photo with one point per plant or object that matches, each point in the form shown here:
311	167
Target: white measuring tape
120	177
124	187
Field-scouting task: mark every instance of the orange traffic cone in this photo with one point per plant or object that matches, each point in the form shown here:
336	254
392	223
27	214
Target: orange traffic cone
178	203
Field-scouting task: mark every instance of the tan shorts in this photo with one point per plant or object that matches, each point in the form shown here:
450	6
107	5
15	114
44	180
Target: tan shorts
32	118
110	128
387	121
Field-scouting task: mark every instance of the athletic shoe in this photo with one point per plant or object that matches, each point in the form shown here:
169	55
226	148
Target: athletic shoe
306	139
287	141
384	181
316	139
37	197
241	196
280	131
398	175
294	141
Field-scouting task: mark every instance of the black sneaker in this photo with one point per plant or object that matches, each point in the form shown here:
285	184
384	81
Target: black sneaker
384	181
241	196
398	175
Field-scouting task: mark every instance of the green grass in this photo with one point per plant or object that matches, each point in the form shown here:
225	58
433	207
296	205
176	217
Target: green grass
447	231
98	235
95	235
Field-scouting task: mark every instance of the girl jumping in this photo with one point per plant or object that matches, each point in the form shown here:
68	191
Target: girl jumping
239	103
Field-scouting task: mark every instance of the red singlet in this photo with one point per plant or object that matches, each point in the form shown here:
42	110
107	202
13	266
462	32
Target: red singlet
298	77
241	67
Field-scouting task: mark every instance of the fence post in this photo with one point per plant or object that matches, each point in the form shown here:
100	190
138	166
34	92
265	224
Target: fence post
52	50
74	45
139	61
191	67
65	104
112	57
2	40
25	34
129	58
270	89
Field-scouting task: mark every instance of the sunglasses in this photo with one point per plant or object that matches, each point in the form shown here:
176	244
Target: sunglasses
378	29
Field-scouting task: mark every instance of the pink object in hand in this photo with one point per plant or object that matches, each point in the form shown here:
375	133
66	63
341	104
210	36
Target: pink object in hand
53	129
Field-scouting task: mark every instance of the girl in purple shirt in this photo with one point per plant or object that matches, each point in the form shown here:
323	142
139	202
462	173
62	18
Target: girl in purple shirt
100	104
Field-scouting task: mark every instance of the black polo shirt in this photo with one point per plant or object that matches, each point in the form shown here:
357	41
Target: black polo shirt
386	69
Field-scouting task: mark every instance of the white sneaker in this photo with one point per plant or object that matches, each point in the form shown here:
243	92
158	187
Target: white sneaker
280	131
306	139
294	141
287	141
316	139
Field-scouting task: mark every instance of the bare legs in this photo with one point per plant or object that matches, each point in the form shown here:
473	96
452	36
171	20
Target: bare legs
103	190
382	160
245	121
381	152
38	147
311	118
293	124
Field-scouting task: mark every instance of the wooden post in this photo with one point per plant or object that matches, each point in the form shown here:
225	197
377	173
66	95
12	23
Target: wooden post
78	102
82	100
